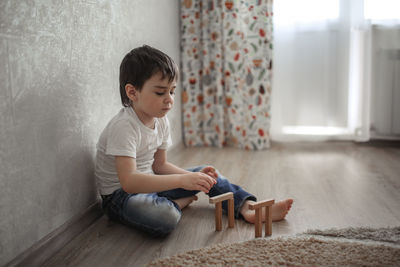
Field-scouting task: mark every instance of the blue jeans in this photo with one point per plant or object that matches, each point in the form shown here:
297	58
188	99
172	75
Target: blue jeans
157	213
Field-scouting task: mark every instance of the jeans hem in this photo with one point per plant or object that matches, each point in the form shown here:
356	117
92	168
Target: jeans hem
238	215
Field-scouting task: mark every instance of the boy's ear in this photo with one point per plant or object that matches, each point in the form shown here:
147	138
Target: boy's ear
131	92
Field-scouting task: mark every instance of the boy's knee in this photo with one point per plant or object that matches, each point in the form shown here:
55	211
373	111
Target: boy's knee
158	216
167	221
171	217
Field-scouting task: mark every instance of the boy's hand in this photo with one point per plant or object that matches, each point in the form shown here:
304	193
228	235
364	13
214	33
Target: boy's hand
197	181
210	171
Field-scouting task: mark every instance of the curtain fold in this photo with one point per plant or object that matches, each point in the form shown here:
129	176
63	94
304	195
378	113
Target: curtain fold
226	72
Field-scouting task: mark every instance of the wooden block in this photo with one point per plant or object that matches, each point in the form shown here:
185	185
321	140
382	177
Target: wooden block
218	216
217	200
258	223
231	213
268	220
261	204
258	207
221	197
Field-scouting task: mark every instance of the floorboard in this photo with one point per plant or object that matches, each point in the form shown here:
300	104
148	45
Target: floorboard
333	184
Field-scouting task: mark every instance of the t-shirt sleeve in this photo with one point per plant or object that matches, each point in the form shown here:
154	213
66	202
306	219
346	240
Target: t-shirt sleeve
122	139
166	141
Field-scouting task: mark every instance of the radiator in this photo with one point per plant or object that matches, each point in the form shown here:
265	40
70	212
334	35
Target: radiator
385	83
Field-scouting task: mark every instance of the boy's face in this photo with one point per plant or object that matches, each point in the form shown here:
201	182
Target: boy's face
155	99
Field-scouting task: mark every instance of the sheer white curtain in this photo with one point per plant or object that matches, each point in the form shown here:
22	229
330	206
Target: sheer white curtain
323	79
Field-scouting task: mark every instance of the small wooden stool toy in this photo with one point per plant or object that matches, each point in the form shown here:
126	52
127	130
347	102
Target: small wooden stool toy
217	200
268	216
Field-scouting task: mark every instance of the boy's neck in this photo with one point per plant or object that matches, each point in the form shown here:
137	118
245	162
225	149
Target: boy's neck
146	120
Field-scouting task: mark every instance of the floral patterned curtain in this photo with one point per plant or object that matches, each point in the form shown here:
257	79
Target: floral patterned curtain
226	71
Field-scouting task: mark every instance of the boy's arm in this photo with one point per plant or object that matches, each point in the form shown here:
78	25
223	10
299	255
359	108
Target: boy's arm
133	181
162	166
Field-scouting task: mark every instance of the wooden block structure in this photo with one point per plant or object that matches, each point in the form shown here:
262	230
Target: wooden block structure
258	206
217	200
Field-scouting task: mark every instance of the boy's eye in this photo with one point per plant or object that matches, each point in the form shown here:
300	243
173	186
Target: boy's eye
162	93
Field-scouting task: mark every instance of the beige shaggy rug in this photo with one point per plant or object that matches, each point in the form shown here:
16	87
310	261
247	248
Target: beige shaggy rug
334	247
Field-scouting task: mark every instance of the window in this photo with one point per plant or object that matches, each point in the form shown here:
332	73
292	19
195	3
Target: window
382	9
289	12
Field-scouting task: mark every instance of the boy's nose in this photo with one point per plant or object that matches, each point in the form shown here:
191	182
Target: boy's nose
169	99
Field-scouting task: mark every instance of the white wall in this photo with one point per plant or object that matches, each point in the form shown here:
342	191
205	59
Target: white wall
58	88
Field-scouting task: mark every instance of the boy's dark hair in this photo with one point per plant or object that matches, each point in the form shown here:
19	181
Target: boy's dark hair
141	64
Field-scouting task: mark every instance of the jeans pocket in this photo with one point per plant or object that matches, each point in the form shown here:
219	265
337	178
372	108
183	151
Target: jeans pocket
112	205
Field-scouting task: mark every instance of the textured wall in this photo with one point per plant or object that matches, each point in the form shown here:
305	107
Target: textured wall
59	65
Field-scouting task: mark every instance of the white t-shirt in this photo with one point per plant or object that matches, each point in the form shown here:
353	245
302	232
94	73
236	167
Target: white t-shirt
126	135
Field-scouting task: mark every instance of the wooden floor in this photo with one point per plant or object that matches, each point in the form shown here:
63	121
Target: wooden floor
333	184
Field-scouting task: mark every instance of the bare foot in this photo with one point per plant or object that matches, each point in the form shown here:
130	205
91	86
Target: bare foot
279	211
184	202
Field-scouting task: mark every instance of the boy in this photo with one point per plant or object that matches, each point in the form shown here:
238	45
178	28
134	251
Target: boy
139	187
